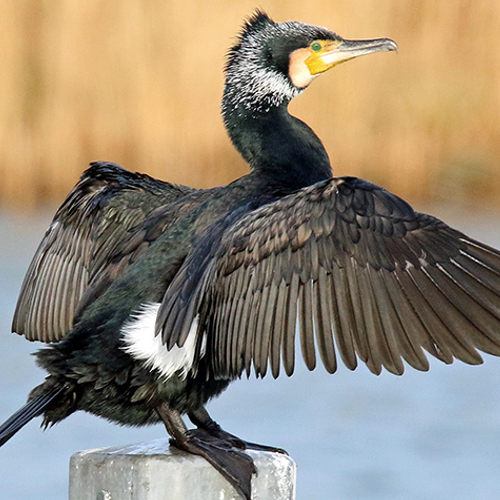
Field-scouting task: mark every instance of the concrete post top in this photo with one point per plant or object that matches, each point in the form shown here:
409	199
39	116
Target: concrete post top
154	470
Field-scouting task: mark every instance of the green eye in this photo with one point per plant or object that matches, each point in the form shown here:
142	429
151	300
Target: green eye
316	46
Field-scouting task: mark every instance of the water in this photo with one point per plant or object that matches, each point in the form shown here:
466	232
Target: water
354	436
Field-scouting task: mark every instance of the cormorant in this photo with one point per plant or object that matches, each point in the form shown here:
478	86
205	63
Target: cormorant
154	297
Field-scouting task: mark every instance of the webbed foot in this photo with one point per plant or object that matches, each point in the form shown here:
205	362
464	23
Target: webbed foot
235	465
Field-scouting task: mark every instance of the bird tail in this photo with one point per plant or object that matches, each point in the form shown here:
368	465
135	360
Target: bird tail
33	408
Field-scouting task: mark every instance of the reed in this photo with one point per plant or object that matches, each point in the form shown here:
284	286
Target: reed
139	83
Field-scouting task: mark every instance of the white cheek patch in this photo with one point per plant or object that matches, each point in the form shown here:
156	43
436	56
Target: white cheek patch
298	71
142	344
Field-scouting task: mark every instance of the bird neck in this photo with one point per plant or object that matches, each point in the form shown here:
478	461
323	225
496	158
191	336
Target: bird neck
278	146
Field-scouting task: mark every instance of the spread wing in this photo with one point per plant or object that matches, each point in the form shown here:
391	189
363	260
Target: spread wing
89	227
358	271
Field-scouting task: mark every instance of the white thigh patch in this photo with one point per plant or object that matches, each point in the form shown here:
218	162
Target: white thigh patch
142	343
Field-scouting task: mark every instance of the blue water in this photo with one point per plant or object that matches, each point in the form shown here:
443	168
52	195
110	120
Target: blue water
354	436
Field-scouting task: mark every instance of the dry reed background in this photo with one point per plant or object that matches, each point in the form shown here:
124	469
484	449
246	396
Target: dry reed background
139	83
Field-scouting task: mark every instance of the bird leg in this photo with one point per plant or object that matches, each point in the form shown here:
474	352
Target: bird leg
203	421
233	464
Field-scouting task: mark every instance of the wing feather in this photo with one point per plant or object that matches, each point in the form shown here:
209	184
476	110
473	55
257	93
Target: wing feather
291	325
262	326
306	325
344	334
278	331
323	321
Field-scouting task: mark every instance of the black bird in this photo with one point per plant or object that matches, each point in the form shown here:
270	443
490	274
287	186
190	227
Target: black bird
154	297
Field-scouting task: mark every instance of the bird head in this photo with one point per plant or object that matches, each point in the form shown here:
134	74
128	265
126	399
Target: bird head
273	62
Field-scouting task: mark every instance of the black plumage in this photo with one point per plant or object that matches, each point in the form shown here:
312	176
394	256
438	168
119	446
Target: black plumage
228	277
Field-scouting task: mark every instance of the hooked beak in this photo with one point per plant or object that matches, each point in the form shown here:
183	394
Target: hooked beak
339	51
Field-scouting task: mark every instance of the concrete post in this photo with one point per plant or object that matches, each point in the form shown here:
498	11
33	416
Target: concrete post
154	471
